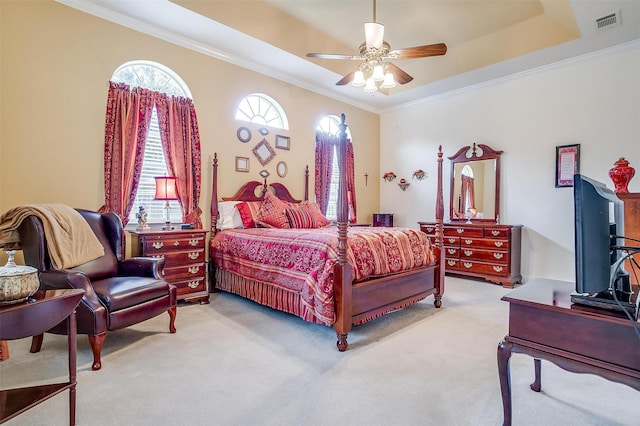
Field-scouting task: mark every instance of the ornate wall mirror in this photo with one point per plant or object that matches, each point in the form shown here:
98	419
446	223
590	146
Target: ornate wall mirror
263	152
475	184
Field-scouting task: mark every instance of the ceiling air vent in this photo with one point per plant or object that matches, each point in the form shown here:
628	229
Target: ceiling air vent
607	21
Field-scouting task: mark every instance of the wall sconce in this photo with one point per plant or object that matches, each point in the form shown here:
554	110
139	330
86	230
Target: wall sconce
403	184
166	191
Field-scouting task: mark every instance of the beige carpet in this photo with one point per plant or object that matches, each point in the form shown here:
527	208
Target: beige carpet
236	363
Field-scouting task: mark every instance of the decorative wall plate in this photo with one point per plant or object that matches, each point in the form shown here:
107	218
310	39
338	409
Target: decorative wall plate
263	152
263	131
244	134
264	173
281	168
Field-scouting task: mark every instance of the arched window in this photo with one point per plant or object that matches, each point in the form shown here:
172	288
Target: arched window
156	77
262	109
330	124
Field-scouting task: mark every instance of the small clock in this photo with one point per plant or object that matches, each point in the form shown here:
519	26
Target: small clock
244	134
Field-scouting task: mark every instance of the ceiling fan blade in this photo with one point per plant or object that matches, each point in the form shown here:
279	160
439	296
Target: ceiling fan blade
331	56
400	76
346	79
421	51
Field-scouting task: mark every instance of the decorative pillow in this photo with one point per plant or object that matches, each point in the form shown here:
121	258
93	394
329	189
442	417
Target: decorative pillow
272	212
301	218
248	211
228	215
321	220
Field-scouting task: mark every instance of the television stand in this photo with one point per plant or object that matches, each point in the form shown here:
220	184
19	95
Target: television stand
605	301
544	324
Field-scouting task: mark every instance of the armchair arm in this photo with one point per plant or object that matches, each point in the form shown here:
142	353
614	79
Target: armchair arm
63	279
142	267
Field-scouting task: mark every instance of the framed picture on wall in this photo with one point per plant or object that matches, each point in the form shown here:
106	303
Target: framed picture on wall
567	164
282	142
242	164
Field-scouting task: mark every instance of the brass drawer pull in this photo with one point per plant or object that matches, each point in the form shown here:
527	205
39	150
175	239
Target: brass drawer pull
497	268
158	245
495	233
460	230
193	242
468	265
193	284
452	240
468	252
498	243
193	255
468	241
158	256
498	255
451	251
194	269
176	243
451	262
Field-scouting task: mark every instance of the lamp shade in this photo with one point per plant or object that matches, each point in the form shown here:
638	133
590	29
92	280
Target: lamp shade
166	188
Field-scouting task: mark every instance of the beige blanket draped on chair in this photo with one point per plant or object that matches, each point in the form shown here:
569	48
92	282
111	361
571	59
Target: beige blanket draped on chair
70	239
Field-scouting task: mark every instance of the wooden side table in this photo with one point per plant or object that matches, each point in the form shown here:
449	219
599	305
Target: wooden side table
183	251
35	316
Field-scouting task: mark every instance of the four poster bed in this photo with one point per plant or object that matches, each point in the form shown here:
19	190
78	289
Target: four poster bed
338	276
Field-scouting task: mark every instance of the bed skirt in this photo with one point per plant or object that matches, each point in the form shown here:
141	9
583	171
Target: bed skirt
265	294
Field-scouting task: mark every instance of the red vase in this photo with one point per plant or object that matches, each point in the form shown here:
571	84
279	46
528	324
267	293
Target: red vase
621	174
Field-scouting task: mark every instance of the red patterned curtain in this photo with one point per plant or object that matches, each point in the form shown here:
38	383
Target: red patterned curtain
467	194
126	124
325	144
181	143
351	182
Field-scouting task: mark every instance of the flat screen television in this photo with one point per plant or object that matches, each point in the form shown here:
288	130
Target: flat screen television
601	280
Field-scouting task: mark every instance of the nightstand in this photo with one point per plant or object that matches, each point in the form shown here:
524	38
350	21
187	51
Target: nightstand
383	219
183	251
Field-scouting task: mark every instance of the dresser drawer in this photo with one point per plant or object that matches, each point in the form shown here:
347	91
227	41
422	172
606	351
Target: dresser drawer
429	229
493	256
193	270
452	252
497	233
484	268
451	264
163	244
462	231
484	243
177	258
188	286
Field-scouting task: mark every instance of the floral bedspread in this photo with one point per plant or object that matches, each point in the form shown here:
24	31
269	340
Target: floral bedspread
302	260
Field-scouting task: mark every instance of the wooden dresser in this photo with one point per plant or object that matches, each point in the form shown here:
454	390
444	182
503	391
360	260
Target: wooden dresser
631	224
488	251
184	255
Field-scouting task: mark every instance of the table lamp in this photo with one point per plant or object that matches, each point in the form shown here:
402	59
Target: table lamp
166	190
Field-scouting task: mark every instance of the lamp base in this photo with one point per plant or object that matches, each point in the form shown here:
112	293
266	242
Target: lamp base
167	227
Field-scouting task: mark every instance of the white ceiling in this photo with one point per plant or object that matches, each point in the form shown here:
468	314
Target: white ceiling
486	39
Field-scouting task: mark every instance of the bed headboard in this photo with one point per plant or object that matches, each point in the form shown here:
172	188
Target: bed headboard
251	191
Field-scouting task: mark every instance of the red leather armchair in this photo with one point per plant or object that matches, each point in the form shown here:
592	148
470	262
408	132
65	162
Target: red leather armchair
118	292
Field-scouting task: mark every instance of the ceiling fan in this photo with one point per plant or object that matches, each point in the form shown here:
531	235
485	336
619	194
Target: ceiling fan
375	54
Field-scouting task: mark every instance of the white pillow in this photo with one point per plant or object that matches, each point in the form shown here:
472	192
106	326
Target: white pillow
228	215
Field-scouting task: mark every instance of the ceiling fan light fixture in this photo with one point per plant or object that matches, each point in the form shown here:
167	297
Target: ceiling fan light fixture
389	81
374	34
358	79
370	86
378	73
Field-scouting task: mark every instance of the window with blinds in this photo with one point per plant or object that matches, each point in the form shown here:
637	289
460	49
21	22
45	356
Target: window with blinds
156	77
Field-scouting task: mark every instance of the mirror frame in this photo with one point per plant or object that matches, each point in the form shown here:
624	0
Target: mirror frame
263	152
469	154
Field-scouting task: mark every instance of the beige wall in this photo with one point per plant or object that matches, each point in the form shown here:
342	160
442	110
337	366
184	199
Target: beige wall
56	63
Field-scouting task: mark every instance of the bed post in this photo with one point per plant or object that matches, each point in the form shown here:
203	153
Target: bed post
306	183
342	272
214	194
439	249
214	220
